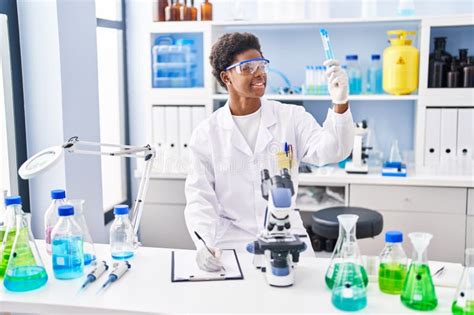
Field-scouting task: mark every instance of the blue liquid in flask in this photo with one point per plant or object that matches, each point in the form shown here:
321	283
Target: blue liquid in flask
25	278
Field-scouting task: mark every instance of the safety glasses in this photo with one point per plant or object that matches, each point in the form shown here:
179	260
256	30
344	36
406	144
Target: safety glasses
250	66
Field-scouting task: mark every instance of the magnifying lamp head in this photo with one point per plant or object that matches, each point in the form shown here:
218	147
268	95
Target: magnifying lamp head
40	162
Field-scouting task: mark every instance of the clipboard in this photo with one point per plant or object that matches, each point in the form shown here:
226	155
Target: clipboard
185	269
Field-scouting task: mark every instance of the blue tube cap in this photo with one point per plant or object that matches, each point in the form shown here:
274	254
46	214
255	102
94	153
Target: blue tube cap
58	194
375	57
12	200
65	210
352	57
393	237
121	209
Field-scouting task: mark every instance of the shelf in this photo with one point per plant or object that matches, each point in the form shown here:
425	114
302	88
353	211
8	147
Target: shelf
447	97
299	97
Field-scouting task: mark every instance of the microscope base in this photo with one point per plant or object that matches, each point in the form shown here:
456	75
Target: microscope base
351	168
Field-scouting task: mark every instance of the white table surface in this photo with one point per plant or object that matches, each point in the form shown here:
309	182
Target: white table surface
147	288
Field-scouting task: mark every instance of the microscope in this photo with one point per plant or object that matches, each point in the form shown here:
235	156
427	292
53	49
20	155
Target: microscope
359	165
276	251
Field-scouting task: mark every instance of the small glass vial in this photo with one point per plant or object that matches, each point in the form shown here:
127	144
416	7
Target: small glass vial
121	234
393	264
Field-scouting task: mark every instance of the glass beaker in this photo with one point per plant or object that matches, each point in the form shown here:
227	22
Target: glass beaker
89	251
349	291
463	303
418	290
25	271
347	234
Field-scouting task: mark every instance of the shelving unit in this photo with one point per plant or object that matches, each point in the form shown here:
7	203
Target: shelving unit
300	97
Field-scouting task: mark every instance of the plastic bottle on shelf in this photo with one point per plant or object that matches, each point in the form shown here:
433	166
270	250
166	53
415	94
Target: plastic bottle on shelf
206	11
354	74
468	79
374	76
67	246
121	234
51	216
393	264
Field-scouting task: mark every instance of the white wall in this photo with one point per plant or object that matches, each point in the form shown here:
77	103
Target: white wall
59	64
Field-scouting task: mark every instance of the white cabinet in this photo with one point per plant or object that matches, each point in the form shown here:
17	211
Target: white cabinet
470	232
440	211
470	201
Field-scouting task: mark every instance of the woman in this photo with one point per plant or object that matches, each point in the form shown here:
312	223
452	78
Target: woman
231	147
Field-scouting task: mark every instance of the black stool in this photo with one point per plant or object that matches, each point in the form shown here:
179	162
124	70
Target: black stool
325	227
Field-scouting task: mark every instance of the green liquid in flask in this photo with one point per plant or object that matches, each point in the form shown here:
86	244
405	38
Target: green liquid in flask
330	280
23	251
392	277
418	291
468	308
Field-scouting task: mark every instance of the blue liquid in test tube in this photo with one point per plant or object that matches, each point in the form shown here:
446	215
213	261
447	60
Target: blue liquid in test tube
326	44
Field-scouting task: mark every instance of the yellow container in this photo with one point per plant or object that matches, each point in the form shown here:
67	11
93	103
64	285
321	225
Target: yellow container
400	64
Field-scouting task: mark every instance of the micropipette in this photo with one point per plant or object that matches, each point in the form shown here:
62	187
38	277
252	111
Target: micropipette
326	44
120	268
96	273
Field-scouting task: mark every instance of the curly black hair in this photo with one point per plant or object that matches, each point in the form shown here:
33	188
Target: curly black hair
227	47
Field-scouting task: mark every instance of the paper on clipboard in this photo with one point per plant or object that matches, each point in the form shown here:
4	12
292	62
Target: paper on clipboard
184	267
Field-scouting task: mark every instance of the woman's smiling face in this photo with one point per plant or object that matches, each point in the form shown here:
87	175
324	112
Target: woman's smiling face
247	85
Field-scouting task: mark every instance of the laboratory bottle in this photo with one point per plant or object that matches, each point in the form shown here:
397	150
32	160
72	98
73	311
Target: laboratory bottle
194	11
400	64
438	71
347	234
463	61
206	11
88	247
67	246
177	10
185	12
162	4
171	14
354	74
121	234
418	290
25	270
454	75
12	208
440	46
468	79
349	290
374	76
463	303
51	217
393	264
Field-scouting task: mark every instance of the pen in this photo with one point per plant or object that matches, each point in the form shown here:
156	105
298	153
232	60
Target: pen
208	249
286	149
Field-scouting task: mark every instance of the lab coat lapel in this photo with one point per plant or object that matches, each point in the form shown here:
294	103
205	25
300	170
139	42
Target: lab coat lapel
237	139
268	119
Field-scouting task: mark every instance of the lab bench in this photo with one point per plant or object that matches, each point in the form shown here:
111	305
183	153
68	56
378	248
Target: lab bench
441	205
147	288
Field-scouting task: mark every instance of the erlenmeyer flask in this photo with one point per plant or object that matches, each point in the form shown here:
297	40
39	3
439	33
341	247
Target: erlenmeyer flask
463	303
89	251
349	292
418	290
25	271
395	152
13	207
347	234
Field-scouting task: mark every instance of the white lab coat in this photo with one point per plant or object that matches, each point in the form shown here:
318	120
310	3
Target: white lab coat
224	201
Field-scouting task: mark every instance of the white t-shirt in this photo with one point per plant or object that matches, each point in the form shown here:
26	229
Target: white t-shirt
248	126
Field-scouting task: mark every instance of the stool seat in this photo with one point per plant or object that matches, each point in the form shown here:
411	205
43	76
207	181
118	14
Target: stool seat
325	224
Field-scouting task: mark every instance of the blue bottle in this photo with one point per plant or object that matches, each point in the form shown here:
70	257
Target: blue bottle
121	234
67	246
374	76
354	74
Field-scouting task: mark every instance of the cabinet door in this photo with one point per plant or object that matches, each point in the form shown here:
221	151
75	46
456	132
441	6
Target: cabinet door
470	201
163	225
166	191
470	232
447	229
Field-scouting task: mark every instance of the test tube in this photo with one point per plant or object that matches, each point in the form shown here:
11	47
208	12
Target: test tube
326	44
